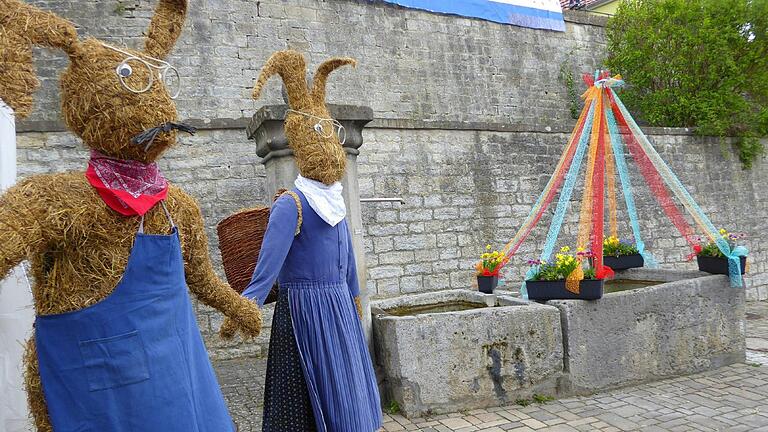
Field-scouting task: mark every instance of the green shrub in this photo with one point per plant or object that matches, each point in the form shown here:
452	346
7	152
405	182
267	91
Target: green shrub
392	407
696	63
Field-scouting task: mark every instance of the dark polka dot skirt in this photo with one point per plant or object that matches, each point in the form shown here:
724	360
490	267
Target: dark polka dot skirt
287	407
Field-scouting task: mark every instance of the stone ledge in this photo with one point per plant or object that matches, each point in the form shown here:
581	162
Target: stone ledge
27	126
587	18
576	17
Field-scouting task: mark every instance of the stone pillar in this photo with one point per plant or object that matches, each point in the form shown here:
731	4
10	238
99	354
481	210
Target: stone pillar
266	128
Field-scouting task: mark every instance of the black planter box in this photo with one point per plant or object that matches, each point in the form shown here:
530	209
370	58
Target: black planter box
717	265
486	284
590	289
624	262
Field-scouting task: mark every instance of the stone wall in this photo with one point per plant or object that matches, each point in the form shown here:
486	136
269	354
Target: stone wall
470	120
412	64
463	188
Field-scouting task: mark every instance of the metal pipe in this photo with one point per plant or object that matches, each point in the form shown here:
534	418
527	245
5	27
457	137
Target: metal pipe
373	200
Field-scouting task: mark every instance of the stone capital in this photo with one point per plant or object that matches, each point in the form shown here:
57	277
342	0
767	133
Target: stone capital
266	128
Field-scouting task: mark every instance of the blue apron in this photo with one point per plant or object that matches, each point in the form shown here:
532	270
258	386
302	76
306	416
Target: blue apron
134	362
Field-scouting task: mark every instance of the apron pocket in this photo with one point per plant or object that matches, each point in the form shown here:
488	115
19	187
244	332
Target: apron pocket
114	361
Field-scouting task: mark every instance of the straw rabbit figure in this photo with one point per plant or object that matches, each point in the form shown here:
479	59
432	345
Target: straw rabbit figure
318	157
78	247
319	372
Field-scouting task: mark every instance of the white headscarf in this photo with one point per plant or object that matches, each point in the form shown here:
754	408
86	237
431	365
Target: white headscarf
327	201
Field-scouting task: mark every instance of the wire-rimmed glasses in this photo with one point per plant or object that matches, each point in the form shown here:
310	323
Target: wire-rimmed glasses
326	127
166	73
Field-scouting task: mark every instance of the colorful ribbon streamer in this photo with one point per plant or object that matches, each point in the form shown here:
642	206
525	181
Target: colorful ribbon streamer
603	132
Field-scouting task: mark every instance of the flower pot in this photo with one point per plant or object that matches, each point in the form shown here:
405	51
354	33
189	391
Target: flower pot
623	262
589	289
717	265
486	284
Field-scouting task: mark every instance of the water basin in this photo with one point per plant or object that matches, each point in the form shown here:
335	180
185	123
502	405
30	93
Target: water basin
443	351
453	306
619	285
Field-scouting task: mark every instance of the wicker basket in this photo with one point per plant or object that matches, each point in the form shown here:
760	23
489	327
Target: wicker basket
240	237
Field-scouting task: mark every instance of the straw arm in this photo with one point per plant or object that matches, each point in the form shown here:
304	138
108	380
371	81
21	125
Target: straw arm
21	231
201	278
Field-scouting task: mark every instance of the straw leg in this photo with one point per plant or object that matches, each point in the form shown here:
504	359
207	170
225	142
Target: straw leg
34	389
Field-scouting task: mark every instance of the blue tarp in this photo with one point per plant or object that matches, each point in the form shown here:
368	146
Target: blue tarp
540	14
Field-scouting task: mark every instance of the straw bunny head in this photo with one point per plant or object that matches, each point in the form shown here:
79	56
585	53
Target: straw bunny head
312	135
109	95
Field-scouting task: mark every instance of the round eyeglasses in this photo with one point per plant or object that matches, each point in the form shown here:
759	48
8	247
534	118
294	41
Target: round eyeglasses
325	127
137	74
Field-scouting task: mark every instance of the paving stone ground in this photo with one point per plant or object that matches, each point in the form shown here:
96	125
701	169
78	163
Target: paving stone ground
734	398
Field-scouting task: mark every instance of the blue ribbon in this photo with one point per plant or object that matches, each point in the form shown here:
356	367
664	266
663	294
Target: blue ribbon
734	265
564	198
617	144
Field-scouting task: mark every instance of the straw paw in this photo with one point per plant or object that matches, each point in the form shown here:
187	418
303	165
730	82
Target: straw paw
244	318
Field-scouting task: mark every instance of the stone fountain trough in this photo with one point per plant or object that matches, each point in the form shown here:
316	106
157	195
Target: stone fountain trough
461	350
656	324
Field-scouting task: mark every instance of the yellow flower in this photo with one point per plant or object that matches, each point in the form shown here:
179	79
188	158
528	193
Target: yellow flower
579	249
487	247
723	231
565	249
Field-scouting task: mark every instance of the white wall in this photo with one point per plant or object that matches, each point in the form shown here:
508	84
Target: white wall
16	313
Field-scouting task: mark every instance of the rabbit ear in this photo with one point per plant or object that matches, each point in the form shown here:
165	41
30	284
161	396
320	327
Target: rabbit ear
292	69
165	27
21	27
321	76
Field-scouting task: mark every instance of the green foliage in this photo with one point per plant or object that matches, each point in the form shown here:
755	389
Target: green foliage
696	63
542	398
566	76
392	407
589	273
553	272
119	9
612	246
711	249
565	263
537	398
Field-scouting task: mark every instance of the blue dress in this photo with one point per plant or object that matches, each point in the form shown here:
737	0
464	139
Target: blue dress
317	276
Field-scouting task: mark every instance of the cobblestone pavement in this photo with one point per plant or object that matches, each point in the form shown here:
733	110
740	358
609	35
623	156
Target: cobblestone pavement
734	398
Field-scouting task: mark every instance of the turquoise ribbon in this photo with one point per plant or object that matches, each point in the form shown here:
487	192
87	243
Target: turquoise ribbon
617	144
674	183
564	198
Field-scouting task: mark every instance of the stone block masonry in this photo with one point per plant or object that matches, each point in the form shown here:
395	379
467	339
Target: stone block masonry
492	353
470	121
686	324
463	188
